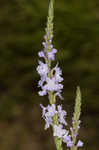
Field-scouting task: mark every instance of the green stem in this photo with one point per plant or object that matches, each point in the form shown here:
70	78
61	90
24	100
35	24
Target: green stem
76	116
49	34
58	141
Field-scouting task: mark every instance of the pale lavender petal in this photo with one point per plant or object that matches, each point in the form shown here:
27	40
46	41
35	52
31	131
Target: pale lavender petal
42	93
79	144
50	56
42	69
41	54
54	50
59	131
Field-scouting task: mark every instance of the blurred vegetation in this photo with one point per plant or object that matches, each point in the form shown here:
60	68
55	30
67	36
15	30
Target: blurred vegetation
76	29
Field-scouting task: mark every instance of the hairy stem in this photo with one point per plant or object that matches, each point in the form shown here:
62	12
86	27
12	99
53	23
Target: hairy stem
49	36
76	116
58	141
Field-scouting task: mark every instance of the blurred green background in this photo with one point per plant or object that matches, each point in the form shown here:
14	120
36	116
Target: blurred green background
76	36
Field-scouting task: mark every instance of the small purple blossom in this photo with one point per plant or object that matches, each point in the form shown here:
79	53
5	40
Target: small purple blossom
42	93
51	46
51	54
59	131
45	37
52	85
74	133
71	129
50	40
51	110
67	140
41	82
62	115
78	127
54	50
70	143
45	46
41	54
80	143
48	121
42	69
47	114
58	74
43	110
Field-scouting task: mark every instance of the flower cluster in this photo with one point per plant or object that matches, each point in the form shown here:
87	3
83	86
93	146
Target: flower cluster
48	113
47	83
74	134
50	83
53	84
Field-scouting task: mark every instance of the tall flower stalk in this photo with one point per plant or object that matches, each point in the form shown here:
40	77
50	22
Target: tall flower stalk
50	84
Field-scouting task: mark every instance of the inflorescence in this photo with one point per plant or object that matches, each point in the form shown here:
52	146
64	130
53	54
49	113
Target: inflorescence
53	84
50	84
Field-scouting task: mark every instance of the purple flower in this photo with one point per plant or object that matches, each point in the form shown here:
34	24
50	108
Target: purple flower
74	133
78	127
67	140
51	55
52	85
51	110
48	121
59	131
62	115
58	74
51	46
43	79
44	109
45	37
54	50
42	69
45	46
41	54
71	129
70	143
79	144
42	93
47	114
50	40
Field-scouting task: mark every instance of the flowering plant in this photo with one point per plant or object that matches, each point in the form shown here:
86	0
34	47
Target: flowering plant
50	84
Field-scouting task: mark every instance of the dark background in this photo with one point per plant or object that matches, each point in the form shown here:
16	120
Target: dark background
76	36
